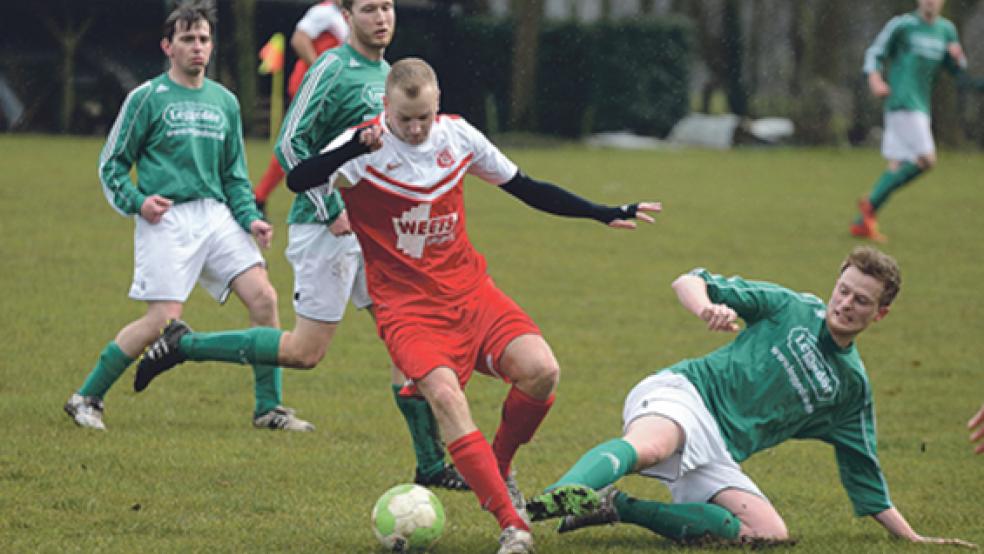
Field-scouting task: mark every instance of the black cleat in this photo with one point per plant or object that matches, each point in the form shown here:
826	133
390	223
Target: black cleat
162	354
446	478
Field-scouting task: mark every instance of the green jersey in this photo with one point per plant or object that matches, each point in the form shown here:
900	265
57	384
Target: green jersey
342	89
784	377
914	49
187	145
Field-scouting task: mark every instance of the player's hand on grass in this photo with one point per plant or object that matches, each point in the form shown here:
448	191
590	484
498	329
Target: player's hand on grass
638	211
720	317
976	425
341	225
372	137
262	232
948	542
154	207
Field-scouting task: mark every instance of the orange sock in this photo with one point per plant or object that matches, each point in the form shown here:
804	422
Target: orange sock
271	177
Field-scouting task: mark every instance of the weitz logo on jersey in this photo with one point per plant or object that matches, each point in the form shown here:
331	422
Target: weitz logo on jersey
445	158
415	229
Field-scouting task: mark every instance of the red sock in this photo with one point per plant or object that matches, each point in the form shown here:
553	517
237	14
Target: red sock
473	458
271	177
521	415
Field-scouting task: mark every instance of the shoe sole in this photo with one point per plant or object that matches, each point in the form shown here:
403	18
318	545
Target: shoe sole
568	500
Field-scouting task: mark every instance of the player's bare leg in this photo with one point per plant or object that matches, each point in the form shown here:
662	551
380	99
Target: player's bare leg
258	295
470	451
85	407
759	519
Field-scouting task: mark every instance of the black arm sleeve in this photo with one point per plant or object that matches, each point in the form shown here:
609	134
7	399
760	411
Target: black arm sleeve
552	199
314	172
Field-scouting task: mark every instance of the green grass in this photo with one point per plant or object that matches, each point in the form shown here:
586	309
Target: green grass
181	470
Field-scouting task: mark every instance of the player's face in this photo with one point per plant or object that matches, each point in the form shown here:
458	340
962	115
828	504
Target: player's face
854	304
410	119
190	49
372	23
931	8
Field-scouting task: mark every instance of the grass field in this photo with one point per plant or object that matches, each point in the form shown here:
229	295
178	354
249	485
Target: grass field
181	469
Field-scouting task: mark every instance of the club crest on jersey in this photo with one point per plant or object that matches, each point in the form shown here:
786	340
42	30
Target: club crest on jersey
445	158
415	229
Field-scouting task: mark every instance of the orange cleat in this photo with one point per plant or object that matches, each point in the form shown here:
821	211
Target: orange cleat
861	230
868	213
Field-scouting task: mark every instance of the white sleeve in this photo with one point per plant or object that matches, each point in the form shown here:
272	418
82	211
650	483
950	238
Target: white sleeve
489	164
324	18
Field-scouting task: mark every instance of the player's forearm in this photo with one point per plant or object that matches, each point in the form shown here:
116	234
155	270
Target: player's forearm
314	172
552	199
304	47
892	520
691	291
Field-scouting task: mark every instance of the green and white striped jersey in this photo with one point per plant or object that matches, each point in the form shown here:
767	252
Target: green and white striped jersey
914	50
784	377
187	145
342	89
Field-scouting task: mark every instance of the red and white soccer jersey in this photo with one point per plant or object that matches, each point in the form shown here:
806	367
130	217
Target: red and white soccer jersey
326	26
407	208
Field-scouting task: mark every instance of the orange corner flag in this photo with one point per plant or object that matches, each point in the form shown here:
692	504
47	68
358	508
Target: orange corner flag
272	55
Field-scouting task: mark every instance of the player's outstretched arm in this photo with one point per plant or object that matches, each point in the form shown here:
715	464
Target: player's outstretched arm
552	199
314	172
892	520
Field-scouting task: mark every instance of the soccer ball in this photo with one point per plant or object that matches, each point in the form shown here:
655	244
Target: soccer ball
408	518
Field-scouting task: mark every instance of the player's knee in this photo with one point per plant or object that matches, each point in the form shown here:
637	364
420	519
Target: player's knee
262	305
772	530
298	355
445	397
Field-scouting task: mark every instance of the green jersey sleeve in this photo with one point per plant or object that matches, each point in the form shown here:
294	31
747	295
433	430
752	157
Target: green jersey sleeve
953	65
883	46
120	152
308	116
857	460
752	300
235	178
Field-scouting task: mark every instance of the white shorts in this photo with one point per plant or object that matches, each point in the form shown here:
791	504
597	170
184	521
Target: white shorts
908	136
328	271
704	467
194	241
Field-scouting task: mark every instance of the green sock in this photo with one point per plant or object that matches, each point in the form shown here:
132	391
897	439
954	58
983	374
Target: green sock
267	387
258	345
889	182
427	443
680	522
111	364
892	181
601	466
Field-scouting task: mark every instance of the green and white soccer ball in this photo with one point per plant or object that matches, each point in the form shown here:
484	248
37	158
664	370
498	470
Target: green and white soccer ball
408	518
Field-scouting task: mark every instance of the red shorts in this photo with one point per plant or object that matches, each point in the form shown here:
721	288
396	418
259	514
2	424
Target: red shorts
467	336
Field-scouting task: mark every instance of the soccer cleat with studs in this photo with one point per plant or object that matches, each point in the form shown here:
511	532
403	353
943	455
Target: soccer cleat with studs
566	500
162	354
606	514
447	478
281	418
85	411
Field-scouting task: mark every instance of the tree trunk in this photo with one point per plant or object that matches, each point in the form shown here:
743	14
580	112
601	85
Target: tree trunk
244	38
68	36
528	14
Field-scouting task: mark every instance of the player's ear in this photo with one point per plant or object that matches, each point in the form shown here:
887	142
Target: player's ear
386	102
166	47
882	312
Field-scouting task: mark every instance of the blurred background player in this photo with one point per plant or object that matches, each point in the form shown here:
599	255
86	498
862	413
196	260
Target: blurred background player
343	88
794	372
914	46
194	209
322	28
